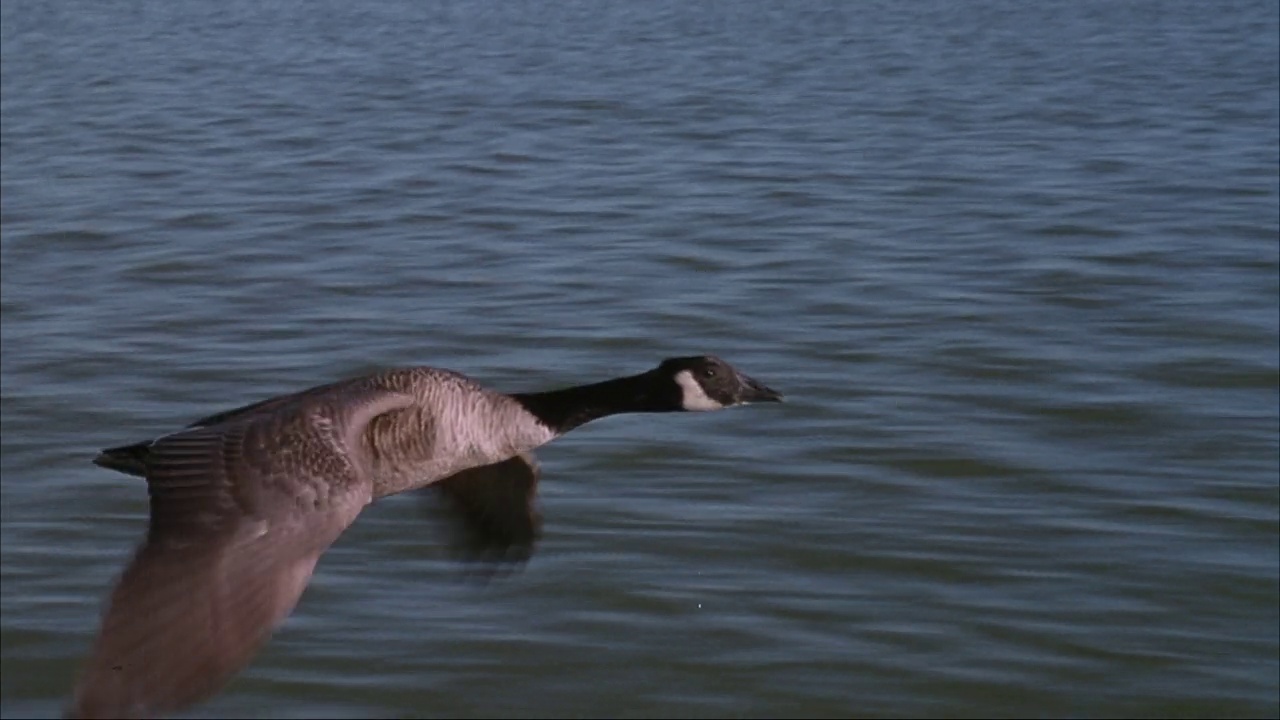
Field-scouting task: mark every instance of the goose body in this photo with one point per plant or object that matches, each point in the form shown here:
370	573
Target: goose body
244	502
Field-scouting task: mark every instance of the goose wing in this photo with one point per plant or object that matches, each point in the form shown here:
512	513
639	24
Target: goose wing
495	509
279	401
240	514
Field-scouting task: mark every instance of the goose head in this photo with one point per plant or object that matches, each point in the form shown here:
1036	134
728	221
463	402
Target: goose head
705	382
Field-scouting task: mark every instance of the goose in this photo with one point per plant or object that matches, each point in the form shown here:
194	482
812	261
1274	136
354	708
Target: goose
244	502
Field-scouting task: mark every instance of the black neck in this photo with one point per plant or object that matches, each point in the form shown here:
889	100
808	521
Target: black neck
565	409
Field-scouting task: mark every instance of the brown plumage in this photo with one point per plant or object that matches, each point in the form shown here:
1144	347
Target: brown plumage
243	503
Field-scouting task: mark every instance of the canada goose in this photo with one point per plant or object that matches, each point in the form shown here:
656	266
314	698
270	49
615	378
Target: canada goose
243	503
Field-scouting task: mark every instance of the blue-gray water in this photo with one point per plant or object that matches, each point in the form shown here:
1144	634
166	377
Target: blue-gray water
1016	266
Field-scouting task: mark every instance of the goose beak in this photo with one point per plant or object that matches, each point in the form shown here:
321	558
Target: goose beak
755	391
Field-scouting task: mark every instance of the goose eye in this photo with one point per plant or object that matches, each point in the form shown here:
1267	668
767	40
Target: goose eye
708	372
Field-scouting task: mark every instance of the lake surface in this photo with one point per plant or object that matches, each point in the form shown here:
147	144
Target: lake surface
1015	265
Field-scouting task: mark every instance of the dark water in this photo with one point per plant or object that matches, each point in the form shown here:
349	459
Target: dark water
1016	266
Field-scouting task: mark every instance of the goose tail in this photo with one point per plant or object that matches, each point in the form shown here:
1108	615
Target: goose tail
128	459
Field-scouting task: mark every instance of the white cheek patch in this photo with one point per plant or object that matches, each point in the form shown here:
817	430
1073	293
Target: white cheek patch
692	396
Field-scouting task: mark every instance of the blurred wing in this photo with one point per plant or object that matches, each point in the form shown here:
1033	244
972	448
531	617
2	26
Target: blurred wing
240	514
495	507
